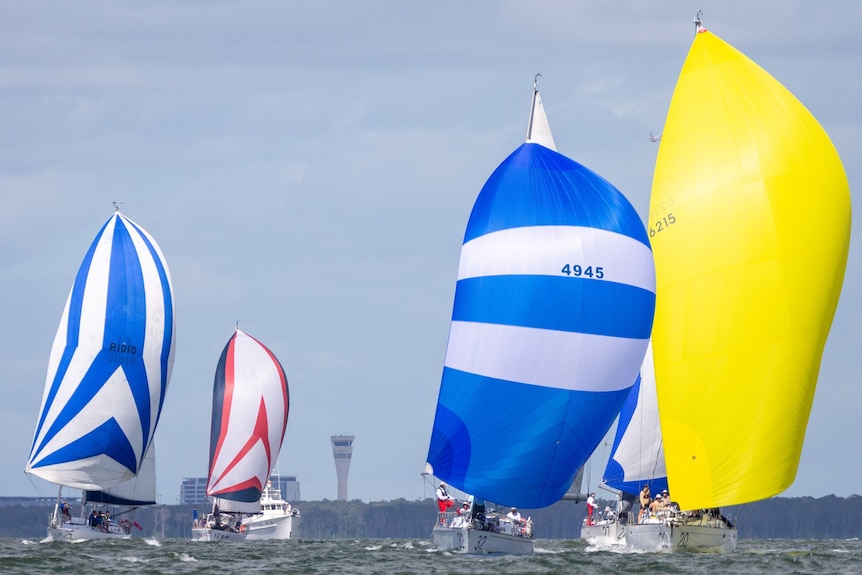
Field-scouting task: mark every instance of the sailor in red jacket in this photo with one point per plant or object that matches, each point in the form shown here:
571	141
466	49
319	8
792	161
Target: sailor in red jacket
444	500
591	506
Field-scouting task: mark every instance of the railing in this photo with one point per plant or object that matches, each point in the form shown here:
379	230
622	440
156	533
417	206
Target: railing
445	517
673	516
493	523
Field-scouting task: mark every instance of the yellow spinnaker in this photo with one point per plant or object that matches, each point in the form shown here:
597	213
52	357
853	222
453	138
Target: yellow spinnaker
750	228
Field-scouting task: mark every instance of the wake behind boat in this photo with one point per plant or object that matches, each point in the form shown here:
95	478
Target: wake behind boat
606	529
609	530
108	372
552	314
249	417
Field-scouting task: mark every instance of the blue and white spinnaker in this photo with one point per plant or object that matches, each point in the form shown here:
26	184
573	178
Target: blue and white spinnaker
110	363
552	316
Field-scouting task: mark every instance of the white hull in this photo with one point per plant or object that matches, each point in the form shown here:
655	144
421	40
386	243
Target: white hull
208	534
72	532
701	538
468	540
604	533
272	526
77	529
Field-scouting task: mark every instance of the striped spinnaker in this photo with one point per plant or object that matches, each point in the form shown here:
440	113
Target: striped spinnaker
110	364
249	417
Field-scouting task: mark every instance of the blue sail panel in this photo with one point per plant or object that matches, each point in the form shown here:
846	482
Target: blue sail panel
107	373
618	310
552	315
536	457
524	191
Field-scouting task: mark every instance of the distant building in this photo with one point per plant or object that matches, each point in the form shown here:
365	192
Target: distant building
342	451
288	485
193	490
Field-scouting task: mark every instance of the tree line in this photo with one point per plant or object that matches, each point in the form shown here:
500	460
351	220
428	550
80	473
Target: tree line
827	517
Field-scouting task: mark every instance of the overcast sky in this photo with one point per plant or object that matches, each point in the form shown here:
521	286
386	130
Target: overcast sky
308	169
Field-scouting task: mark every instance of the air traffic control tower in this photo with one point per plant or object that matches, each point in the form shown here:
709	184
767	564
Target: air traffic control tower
342	451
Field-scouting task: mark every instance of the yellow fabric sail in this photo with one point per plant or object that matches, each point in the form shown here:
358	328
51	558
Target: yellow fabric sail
750	227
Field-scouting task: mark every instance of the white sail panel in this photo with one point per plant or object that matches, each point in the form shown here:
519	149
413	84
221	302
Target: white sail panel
539	129
546	250
229	506
638	454
560	359
139	490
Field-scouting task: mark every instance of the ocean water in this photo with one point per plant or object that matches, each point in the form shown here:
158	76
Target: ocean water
407	556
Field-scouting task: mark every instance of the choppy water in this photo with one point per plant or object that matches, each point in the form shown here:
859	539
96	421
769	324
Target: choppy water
402	556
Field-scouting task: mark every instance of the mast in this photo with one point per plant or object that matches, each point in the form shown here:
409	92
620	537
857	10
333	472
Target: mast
533	107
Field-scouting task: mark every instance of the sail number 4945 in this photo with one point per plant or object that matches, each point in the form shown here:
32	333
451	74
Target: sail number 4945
576	270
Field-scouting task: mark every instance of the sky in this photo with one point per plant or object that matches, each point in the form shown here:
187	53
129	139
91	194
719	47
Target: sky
308	169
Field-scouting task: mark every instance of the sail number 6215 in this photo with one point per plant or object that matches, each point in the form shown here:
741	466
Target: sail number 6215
578	271
662	224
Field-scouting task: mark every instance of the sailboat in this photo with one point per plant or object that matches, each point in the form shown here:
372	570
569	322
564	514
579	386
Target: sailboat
636	460
249	417
107	376
748	281
552	315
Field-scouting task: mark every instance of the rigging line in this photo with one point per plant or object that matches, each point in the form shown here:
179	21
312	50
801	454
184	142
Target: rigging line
658	449
35	486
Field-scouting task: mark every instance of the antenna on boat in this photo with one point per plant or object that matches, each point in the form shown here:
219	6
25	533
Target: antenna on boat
698	23
533	106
